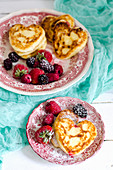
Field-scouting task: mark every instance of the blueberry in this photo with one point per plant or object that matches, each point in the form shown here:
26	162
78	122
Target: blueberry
8	64
13	56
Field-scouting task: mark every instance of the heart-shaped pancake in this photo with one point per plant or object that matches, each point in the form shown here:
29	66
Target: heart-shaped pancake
25	39
49	22
67	42
73	138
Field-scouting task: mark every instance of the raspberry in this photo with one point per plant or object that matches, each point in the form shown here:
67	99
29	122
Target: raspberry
58	69
13	56
26	78
35	72
48	120
52	107
8	64
52	77
30	62
43	79
80	110
46	54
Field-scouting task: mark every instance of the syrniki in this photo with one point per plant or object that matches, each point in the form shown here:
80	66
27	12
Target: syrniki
26	40
72	138
49	22
67	42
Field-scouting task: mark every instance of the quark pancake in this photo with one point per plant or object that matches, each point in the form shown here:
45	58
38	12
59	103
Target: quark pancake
27	40
48	23
73	139
67	42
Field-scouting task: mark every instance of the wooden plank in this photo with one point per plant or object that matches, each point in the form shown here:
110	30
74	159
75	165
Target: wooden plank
106	112
28	159
6	7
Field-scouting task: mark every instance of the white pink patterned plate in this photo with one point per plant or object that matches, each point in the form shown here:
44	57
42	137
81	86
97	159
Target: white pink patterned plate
56	155
73	71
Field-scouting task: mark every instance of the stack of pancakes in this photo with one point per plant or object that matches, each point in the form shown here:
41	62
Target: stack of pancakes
26	41
72	139
67	40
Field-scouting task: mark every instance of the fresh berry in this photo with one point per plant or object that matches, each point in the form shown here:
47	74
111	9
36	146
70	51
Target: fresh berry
8	64
80	110
46	66
35	72
52	107
13	56
48	120
44	63
19	70
36	64
43	79
30	62
58	69
44	134
46	54
26	78
52	77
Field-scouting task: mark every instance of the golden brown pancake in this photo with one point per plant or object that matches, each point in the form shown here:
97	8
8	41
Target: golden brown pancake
25	39
49	22
26	55
67	42
73	139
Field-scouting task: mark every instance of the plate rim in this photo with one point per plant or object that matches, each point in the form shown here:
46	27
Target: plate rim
72	82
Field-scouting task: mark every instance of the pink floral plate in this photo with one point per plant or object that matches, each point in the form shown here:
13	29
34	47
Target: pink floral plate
73	70
56	155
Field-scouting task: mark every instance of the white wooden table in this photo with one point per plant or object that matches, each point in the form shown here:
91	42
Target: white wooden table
26	158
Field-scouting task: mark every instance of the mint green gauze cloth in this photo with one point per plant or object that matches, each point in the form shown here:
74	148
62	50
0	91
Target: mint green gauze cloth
97	17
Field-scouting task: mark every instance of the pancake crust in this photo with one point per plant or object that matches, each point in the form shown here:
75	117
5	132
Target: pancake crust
42	44
66	18
46	25
73	139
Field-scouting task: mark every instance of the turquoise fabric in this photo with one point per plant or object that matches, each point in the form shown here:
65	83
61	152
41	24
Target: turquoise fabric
15	109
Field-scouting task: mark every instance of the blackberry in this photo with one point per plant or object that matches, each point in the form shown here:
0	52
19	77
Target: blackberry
30	62
46	66
8	64
80	110
43	79
13	56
